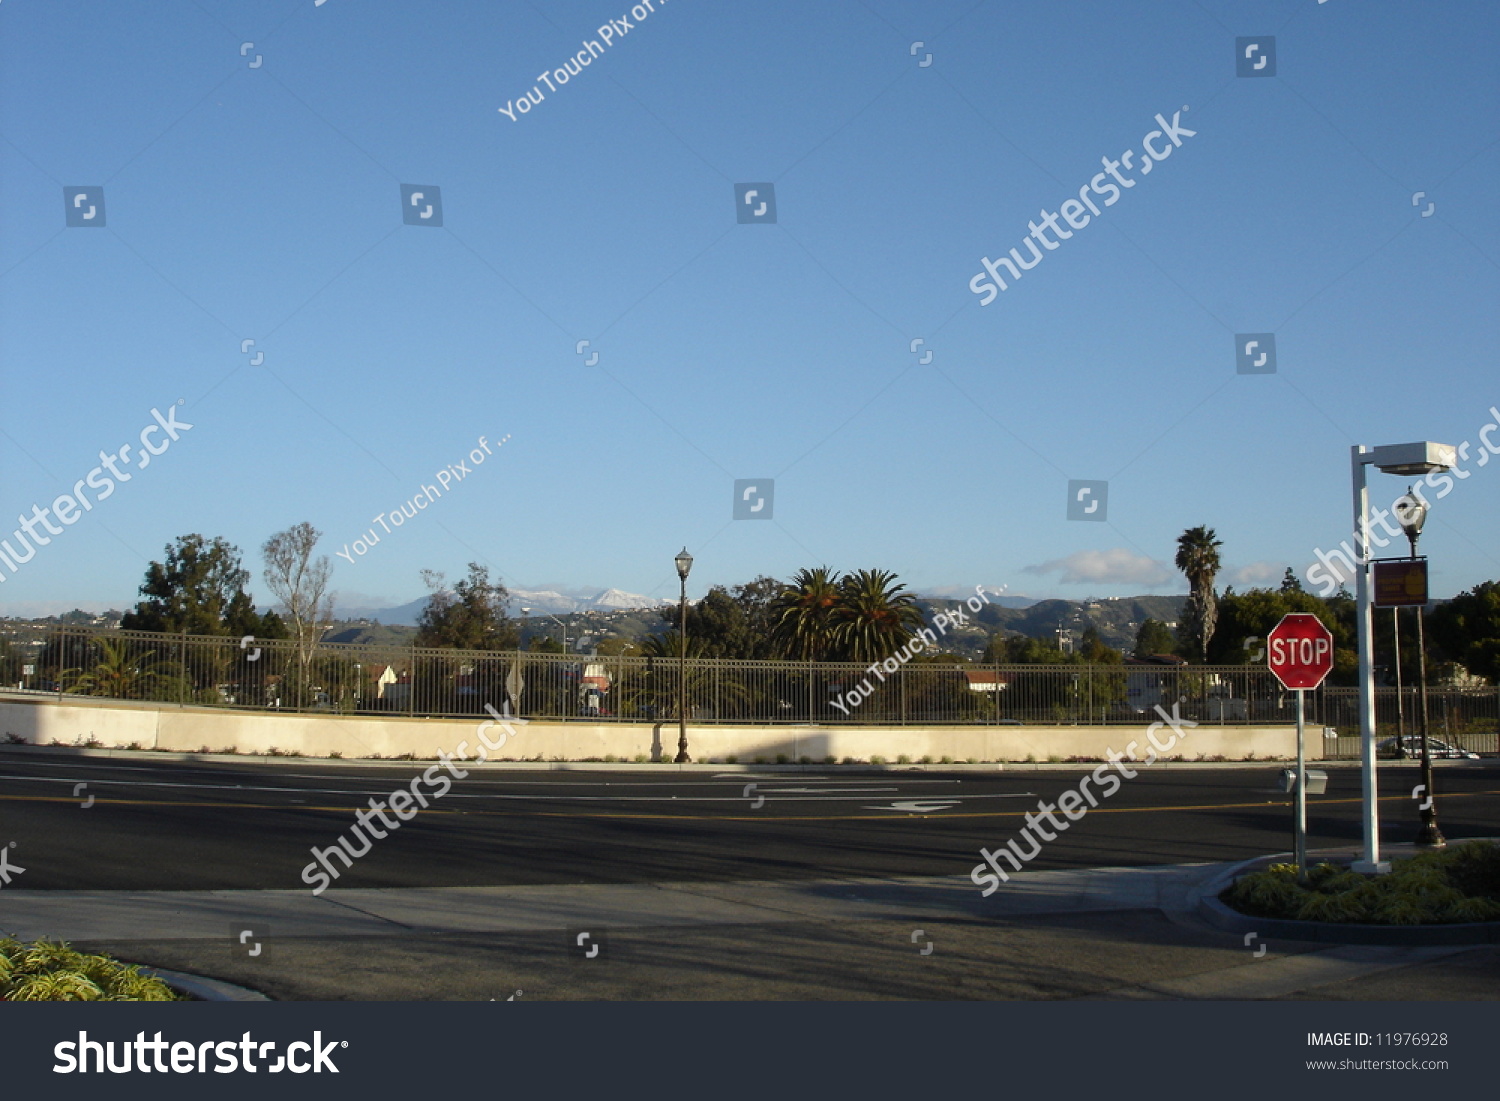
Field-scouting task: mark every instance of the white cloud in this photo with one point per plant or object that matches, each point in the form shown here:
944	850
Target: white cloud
1256	573
1116	566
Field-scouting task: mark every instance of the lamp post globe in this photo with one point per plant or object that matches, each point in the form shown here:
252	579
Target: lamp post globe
1411	513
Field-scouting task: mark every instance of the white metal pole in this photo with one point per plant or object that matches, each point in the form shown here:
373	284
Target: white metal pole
1364	621
1301	837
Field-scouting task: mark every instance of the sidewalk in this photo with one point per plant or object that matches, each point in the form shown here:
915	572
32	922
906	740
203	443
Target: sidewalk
1110	933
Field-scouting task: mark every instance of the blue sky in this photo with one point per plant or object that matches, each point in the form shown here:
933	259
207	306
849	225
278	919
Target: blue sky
263	202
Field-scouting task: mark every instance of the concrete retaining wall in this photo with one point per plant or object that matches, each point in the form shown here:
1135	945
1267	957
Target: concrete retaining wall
117	723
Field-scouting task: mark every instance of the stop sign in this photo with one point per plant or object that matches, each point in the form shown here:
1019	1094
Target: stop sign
1299	650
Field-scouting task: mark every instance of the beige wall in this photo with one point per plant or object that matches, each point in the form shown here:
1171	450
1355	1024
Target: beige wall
118	724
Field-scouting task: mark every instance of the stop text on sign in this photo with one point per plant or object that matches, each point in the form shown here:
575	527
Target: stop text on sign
1300	651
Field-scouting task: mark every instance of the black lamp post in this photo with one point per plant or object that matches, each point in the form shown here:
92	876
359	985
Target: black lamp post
684	564
1411	514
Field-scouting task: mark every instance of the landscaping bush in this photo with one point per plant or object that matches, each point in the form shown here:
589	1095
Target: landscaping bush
1458	884
50	971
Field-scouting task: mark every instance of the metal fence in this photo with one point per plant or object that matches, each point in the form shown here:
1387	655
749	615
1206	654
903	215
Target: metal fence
405	680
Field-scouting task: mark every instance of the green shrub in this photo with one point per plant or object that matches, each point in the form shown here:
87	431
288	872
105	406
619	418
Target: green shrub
782	758
903	759
50	971
876	759
732	759
1460	884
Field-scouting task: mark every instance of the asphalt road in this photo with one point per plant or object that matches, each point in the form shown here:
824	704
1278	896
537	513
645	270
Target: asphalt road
156	825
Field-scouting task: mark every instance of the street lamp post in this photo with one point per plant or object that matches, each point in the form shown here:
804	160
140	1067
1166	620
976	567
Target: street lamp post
1411	514
684	564
1400	703
1407	460
564	627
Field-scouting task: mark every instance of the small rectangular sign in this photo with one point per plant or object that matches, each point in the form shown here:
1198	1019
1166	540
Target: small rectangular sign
1401	583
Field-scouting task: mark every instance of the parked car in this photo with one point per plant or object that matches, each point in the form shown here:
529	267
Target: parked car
1413	746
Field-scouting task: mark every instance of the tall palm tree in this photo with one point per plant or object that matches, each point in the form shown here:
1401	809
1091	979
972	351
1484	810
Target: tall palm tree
874	616
802	615
1198	559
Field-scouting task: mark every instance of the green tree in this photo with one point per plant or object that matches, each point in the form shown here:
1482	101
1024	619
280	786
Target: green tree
1245	619
1467	628
471	617
803	616
1290	582
1025	650
757	600
12	661
1198	559
1154	637
123	675
716	625
200	590
1094	651
874	616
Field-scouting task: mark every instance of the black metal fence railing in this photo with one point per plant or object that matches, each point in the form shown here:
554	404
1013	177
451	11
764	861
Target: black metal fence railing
403	680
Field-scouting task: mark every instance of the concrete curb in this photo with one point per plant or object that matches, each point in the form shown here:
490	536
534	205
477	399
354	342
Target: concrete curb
1224	917
653	766
204	989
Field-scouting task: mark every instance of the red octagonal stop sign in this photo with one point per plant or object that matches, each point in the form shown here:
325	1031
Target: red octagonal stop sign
1299	650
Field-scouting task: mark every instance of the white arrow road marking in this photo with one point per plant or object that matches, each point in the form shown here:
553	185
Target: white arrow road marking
916	806
820	791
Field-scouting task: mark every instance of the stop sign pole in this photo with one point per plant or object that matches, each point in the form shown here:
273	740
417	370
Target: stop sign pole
1299	653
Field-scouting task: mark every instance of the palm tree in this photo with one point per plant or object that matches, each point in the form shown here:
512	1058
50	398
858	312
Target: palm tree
874	616
708	685
119	674
1198	559
802	615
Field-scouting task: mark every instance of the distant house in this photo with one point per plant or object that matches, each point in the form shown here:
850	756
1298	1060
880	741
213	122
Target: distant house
986	680
1143	690
383	676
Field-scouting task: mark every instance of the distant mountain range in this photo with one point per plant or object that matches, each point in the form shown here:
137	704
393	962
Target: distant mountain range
544	602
